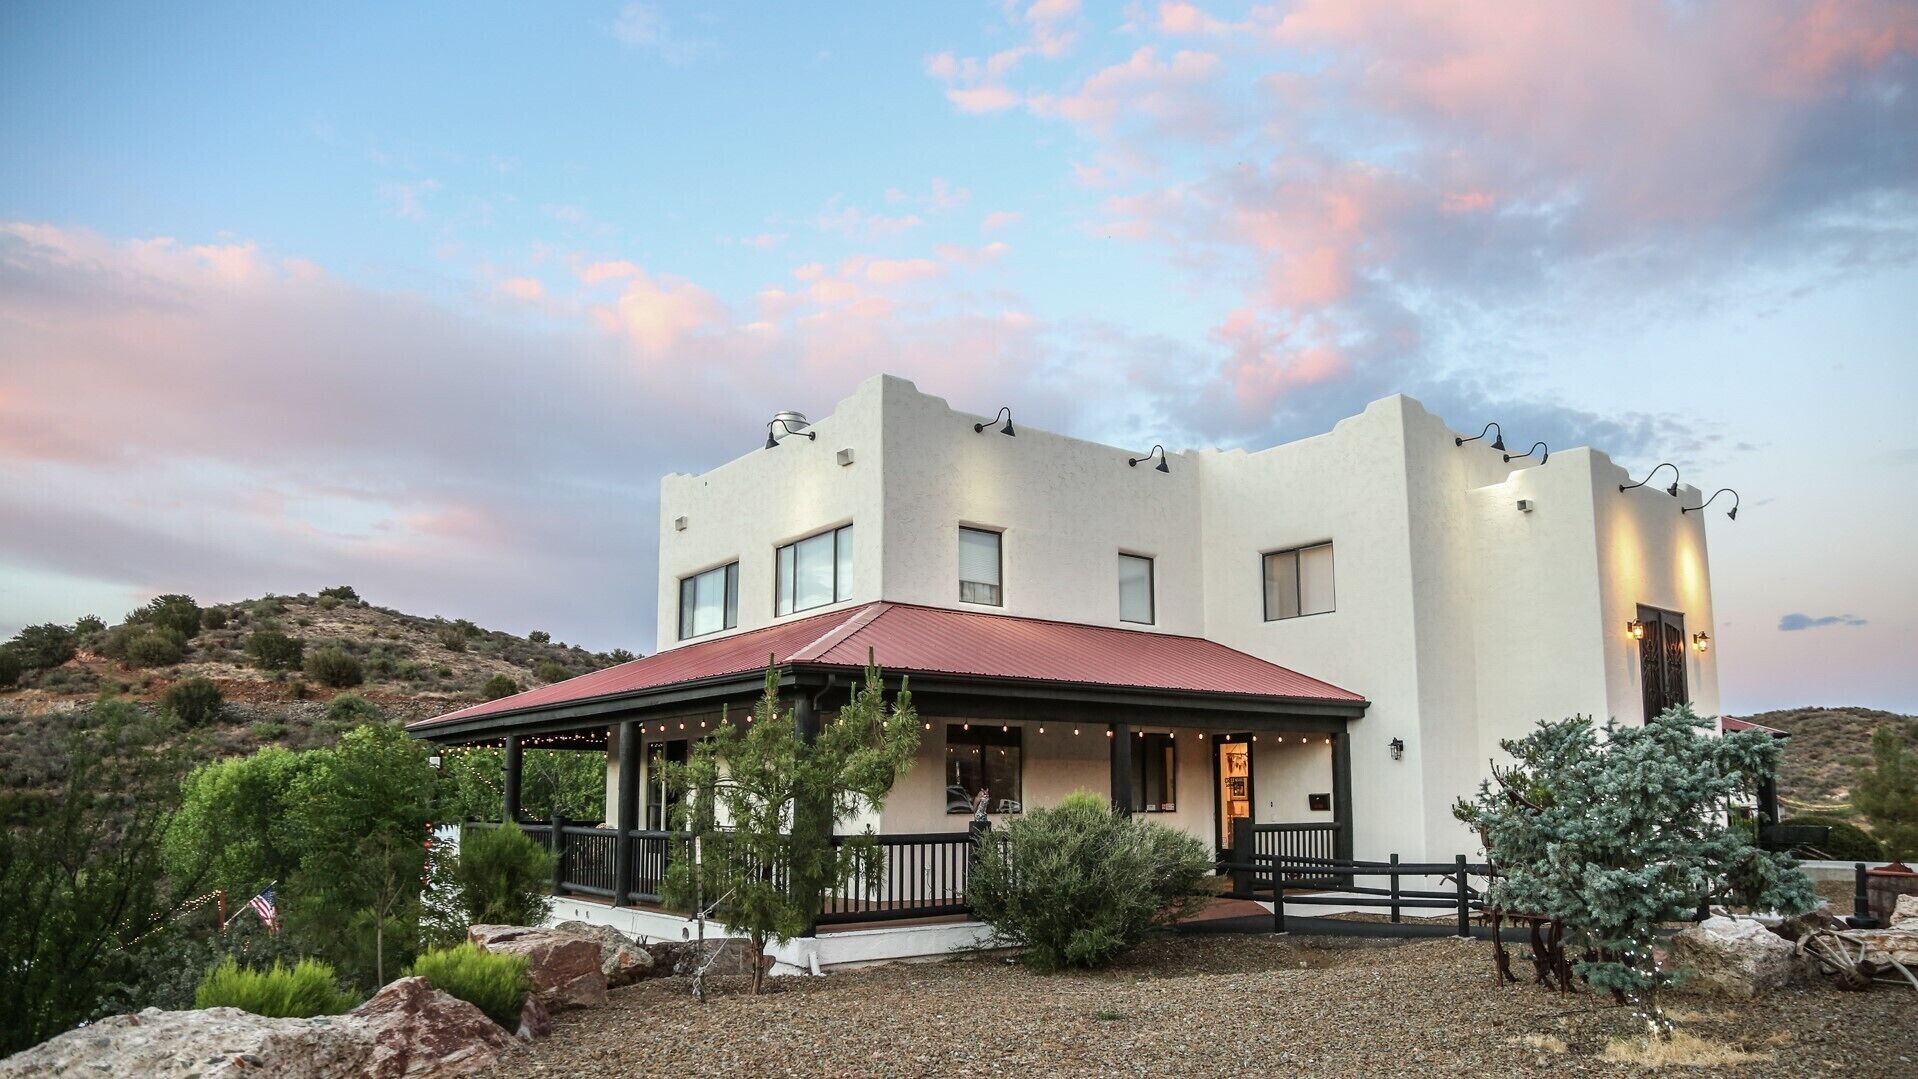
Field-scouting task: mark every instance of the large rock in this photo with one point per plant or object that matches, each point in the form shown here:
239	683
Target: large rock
1883	947
409	1030
621	959
1905	914
1732	957
565	967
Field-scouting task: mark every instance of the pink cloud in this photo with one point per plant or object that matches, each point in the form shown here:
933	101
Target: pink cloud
522	288
979	100
614	270
899	271
1181	18
999	219
658	315
958	253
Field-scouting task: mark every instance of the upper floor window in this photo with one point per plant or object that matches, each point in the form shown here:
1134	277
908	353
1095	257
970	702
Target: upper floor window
979	567
709	601
1298	582
815	571
1135	589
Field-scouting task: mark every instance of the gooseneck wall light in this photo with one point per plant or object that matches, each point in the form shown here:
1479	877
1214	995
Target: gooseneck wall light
1159	451
1545	454
1733	513
773	440
978	428
1497	443
1672	490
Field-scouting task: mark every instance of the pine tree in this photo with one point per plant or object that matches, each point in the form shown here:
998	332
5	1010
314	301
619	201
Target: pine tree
1887	794
1614	835
760	802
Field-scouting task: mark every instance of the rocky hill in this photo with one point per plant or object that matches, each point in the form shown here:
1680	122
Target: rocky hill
405	666
1827	747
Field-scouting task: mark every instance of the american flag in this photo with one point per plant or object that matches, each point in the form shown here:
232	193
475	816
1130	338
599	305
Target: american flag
262	905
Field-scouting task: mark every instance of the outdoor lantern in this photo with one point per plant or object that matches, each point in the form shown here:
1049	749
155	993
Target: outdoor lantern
782	421
979	428
1702	641
1544	457
1398	748
1635	630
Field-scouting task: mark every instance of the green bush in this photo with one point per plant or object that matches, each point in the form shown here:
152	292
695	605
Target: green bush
334	667
275	651
1847	843
342	592
11	668
156	647
213	618
175	612
352	709
539	636
499	686
304	990
548	671
39	647
1077	886
452	638
194	702
89	624
494	983
501	877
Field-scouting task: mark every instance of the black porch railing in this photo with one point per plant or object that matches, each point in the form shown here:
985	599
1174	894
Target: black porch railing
1293	842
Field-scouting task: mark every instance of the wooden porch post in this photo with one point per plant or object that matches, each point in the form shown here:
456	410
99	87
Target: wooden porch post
806	722
510	805
627	819
1122	769
1342	794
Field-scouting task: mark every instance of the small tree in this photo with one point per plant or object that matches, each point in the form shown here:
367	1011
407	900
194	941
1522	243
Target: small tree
540	636
176	612
1613	836
780	795
39	647
275	651
195	702
334	667
1887	794
157	646
499	686
341	592
10	667
501	877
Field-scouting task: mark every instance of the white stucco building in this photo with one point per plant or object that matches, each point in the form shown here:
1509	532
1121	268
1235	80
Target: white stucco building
1332	634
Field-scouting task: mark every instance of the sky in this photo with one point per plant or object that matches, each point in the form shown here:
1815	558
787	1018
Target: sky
424	298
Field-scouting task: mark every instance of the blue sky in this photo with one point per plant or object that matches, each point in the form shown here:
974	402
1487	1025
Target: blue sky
425	297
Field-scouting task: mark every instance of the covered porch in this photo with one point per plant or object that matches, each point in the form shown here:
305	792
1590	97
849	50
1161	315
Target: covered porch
1216	743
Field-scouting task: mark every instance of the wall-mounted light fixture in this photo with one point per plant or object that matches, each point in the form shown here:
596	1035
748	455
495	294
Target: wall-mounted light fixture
782	422
978	428
1397	746
1159	450
1635	630
1702	641
1672	490
1733	513
1497	443
1542	458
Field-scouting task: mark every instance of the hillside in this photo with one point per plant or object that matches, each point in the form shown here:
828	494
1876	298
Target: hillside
1827	747
411	667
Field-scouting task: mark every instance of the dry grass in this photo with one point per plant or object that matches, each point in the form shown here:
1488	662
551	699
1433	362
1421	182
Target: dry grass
1681	1050
1546	1043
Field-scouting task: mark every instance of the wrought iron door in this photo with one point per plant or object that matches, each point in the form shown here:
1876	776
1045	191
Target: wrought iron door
1661	660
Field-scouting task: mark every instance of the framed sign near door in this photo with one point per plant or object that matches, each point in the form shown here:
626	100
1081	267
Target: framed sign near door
1319	803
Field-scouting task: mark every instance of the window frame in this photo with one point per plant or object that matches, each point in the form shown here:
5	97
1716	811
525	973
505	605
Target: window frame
984	736
728	603
838	538
1151	589
1150	743
999	552
1298	582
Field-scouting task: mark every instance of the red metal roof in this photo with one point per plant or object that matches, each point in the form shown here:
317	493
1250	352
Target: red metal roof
1730	724
908	639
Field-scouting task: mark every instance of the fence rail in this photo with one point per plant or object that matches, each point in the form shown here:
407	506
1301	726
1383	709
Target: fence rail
1279	872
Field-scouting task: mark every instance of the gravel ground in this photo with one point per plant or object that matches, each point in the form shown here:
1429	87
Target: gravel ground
1219	1005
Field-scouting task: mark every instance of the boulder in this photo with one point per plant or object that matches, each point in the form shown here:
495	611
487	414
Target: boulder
214	1043
1883	947
565	967
1905	914
620	959
418	1032
1732	957
534	1020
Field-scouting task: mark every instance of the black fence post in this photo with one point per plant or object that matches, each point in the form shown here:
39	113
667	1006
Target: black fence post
1395	889
559	852
1861	916
1244	879
1278	897
1464	900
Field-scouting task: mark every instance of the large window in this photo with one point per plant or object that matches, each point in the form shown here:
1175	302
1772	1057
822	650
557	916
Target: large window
1135	588
709	601
814	572
1298	582
979	567
982	757
1155	774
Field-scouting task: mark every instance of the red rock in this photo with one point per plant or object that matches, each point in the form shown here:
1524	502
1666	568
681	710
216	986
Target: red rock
565	968
419	1032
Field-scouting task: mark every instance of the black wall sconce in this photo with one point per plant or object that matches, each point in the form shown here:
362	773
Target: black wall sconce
1635	630
1542	458
1497	443
772	440
979	428
1133	462
1702	641
1733	514
1397	746
1672	490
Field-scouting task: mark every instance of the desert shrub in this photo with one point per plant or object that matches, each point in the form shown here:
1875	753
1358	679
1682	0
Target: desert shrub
38	647
296	689
326	603
194	702
340	592
89	624
176	612
351	709
1887	793
301	991
617	655
501	877
1078	886
11	668
1847	843
275	651
156	647
494	983
548	671
451	638
213	618
267	730
334	667
539	636
499	686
